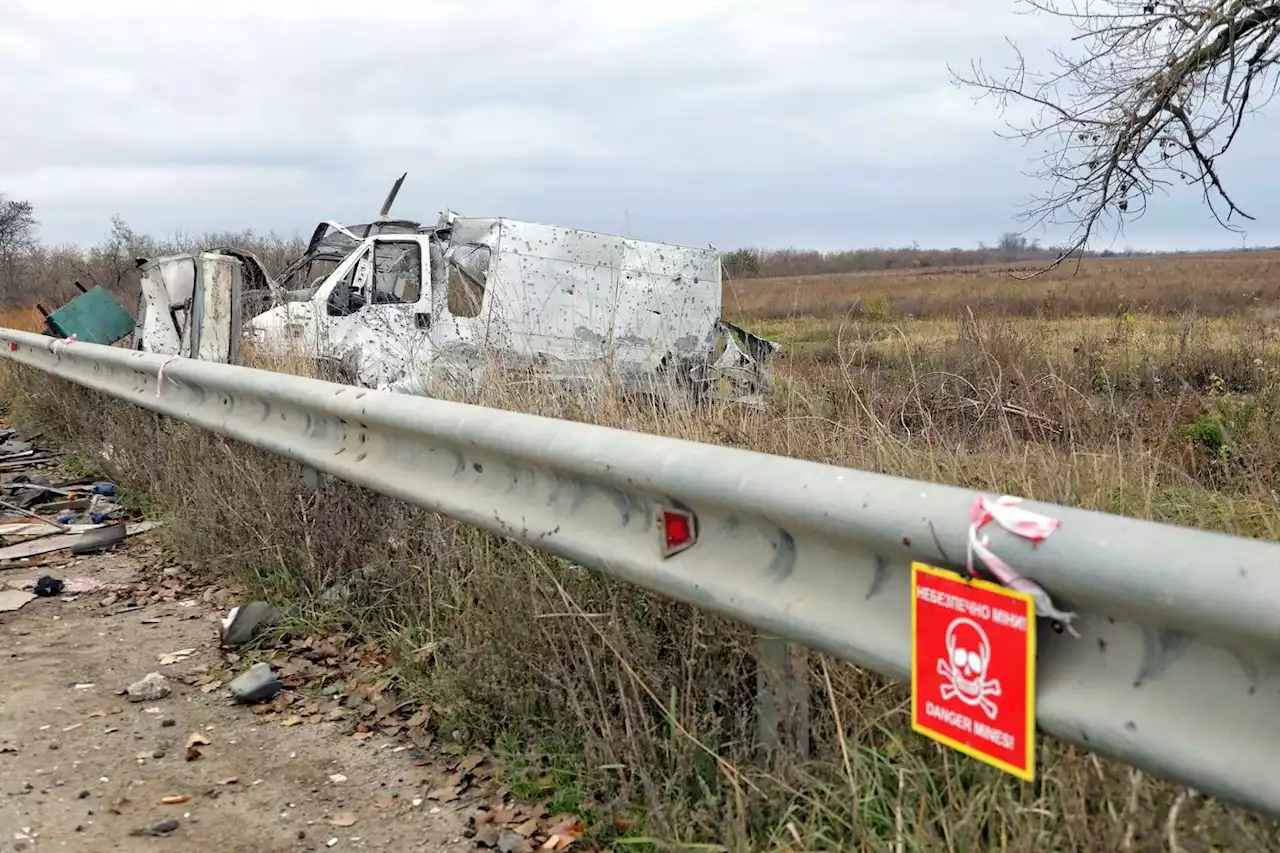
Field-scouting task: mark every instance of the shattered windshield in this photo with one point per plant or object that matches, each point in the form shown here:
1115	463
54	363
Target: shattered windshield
328	247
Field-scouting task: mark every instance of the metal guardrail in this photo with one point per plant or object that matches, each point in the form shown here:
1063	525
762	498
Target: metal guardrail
1176	672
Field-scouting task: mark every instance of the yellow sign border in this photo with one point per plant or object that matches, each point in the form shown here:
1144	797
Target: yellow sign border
1028	602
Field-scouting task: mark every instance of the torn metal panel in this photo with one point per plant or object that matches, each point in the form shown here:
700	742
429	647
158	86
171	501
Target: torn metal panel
739	369
164	303
258	289
214	331
193	304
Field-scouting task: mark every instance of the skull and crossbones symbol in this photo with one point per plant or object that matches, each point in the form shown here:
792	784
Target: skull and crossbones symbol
965	667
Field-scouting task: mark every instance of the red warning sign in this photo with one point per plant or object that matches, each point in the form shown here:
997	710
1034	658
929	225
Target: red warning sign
973	668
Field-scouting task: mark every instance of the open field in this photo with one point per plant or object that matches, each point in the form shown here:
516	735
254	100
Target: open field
1146	387
1152	380
1209	285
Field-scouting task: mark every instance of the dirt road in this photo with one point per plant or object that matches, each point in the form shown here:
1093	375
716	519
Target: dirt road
82	768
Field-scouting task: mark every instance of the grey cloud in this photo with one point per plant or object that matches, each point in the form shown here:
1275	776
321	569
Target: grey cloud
817	122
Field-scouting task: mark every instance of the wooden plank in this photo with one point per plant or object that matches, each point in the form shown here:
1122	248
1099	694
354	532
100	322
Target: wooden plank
59	506
26	463
56	543
31	527
26	487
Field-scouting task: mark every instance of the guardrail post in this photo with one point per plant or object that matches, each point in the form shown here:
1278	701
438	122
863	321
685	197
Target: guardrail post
782	700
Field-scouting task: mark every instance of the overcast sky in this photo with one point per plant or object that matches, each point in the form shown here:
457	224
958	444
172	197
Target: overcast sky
814	123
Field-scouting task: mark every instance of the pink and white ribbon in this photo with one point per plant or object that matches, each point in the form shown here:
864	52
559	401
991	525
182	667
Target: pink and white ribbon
63	342
160	373
1024	523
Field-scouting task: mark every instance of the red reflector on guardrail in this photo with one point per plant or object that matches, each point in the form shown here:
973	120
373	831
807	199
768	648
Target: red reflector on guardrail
679	531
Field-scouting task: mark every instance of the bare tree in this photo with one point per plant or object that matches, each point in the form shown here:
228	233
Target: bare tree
17	236
1149	93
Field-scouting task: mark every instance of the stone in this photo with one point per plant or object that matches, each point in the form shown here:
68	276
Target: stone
152	687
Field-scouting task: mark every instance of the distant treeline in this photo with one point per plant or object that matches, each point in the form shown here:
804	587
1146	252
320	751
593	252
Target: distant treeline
1011	248
35	271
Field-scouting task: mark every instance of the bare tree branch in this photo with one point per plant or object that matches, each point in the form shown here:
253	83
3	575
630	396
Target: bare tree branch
1151	92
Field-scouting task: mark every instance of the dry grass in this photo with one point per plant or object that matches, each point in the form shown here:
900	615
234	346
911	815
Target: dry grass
621	697
24	319
1207	285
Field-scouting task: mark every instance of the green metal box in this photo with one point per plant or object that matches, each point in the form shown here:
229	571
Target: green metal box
94	316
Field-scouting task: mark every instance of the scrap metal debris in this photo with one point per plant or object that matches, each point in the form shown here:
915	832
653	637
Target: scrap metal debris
48	586
94	317
40	517
244	621
99	538
257	684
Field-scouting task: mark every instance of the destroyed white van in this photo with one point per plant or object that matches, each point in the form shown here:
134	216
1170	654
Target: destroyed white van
398	306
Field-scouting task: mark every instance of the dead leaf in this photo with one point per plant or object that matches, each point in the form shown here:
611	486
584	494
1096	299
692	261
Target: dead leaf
175	800
362	735
622	824
97	714
562	831
565	822
210	687
384	802
197	739
343	819
470	763
445	794
230	780
176	657
291	721
529	827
